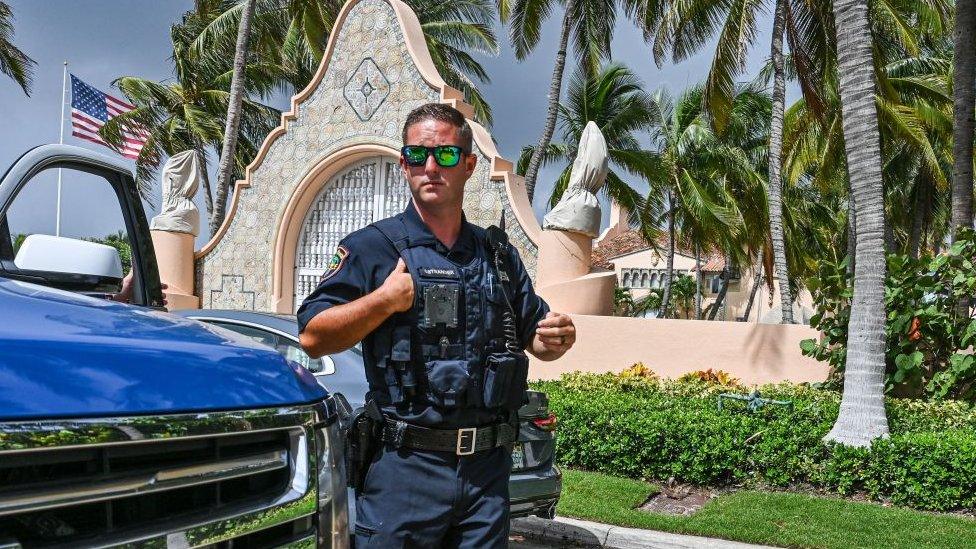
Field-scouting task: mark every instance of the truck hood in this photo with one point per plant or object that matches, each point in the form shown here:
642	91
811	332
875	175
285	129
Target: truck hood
66	355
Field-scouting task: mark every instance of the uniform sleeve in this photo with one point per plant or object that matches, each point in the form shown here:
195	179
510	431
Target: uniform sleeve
346	279
529	307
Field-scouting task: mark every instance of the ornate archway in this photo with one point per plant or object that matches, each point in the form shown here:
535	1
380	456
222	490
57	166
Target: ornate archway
278	212
366	191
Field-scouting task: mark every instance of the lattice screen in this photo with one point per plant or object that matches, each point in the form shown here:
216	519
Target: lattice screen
370	190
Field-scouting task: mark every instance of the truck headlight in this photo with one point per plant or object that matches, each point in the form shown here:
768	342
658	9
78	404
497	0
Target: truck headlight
333	510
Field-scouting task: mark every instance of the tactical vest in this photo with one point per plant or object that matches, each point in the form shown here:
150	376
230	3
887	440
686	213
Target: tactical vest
449	349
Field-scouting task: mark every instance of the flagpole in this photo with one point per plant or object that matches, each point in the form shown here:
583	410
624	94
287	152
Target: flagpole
64	88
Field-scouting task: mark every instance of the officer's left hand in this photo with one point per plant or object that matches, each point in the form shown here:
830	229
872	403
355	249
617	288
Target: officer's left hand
556	332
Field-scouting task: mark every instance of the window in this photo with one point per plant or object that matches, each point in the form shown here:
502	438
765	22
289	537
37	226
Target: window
66	227
292	351
626	283
716	284
284	345
643	283
256	334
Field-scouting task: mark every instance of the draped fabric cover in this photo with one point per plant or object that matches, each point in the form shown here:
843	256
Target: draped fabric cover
180	181
578	210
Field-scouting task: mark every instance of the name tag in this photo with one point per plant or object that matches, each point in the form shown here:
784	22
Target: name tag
434	272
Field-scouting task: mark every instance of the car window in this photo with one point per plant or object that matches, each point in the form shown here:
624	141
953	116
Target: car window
286	347
293	351
261	336
67	224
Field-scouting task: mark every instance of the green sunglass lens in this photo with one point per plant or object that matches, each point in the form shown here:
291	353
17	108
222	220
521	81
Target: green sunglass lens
448	156
415	155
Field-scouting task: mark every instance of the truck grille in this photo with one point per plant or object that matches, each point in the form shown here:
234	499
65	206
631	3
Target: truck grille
113	491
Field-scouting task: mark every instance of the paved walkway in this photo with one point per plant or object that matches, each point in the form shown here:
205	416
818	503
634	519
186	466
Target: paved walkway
562	531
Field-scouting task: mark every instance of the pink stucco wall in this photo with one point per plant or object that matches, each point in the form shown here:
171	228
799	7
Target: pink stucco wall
754	353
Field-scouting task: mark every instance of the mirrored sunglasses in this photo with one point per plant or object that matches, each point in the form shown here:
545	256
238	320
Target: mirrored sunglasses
446	156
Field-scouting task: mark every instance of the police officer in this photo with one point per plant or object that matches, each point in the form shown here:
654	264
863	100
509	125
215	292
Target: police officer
445	311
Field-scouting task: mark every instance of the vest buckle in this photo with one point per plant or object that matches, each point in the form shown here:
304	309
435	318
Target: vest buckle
466	439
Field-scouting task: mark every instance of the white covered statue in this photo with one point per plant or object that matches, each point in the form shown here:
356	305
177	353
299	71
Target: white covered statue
180	181
578	210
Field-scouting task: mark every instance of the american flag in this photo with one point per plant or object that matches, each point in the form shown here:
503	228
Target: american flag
91	109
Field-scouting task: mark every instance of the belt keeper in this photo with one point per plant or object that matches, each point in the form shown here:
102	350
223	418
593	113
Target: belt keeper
401	428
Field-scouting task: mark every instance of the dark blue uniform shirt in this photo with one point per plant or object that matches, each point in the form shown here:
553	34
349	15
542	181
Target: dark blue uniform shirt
365	258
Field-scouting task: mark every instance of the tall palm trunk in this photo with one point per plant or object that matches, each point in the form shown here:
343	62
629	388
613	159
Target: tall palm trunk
963	76
851	229
227	155
205	176
720	298
669	270
752	293
775	162
918	217
698	283
555	89
862	410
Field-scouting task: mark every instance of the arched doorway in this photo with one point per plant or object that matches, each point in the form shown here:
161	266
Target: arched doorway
364	192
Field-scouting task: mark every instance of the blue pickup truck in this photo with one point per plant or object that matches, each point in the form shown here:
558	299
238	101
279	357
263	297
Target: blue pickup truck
121	424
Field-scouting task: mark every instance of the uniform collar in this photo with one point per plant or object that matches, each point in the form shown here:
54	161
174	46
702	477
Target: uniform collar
419	233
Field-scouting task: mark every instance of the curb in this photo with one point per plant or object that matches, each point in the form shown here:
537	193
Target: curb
563	532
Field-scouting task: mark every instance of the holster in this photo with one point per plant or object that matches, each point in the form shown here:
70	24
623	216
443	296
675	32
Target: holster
363	439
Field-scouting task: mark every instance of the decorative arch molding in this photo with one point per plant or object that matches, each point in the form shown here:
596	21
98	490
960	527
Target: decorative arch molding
293	216
377	47
501	169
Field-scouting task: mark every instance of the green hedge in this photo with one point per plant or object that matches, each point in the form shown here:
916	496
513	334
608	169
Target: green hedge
662	429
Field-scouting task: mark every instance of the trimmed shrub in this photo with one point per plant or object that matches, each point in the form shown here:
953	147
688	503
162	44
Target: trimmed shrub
649	429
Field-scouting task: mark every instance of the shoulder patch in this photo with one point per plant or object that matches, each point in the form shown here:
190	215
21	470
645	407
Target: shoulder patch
336	262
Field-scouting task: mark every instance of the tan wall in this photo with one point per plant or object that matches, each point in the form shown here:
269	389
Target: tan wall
764	309
754	353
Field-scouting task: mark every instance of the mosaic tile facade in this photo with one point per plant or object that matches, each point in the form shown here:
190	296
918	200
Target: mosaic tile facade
368	89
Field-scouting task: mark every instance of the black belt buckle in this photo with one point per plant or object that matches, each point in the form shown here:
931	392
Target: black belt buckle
466	439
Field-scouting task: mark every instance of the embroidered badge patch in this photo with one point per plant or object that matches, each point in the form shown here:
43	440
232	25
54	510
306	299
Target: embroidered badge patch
336	262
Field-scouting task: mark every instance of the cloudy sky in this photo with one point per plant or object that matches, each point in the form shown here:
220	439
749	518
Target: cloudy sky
105	39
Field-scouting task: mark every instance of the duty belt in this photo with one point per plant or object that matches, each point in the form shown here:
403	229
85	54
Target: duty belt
463	442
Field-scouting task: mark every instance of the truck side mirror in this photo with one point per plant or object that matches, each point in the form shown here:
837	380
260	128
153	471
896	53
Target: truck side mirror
69	257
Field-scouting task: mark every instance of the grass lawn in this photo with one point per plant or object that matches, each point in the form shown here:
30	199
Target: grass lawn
763	517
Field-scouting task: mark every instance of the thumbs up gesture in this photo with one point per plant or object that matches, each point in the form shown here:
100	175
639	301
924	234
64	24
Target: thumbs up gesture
398	288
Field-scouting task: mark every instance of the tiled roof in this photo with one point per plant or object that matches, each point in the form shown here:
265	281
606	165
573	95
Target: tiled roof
622	244
632	241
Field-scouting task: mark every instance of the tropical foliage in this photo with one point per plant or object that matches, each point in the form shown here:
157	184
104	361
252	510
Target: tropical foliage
189	112
927	340
614	99
13	62
874	157
291	35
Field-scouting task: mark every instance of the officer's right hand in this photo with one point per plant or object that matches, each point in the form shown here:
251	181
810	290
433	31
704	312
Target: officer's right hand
398	288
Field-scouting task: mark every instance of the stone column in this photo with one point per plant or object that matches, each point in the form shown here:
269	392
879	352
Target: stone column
566	242
174	254
175	229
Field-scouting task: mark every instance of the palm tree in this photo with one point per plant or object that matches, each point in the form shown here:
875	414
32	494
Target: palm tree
914	107
591	23
963	76
225	170
614	99
862	411
293	35
685	26
693	167
13	62
190	112
453	30
684	289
